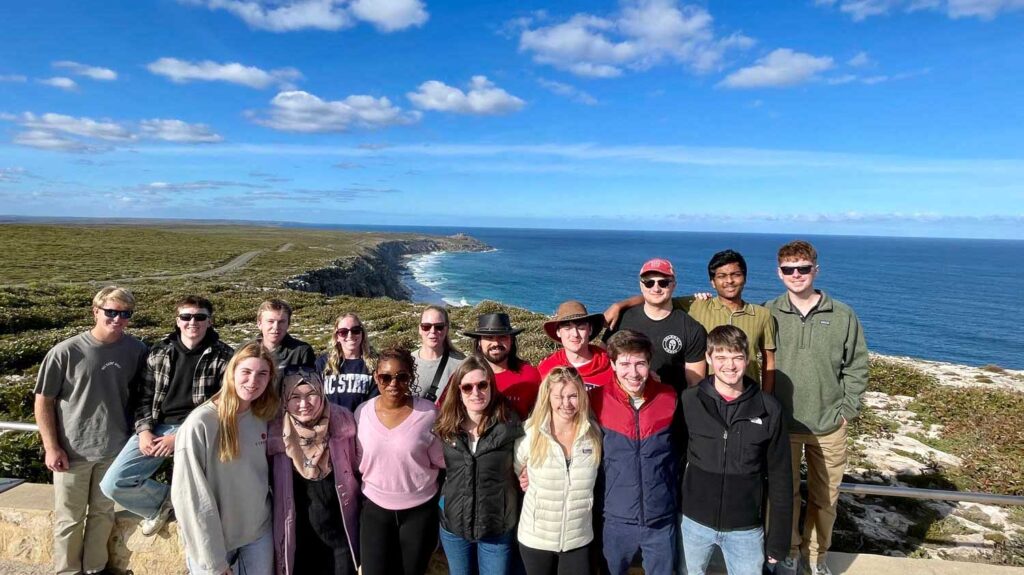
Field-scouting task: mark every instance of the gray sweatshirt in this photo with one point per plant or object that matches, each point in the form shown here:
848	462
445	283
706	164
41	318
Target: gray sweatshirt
219	506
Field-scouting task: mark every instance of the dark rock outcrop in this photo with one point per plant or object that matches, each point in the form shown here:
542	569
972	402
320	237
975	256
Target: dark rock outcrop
377	272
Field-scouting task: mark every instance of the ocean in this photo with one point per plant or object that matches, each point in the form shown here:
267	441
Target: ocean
953	300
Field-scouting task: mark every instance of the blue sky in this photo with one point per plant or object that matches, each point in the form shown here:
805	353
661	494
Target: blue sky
892	117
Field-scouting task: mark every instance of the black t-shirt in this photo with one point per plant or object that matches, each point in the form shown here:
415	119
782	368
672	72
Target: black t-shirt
677	340
178	402
351	387
321	547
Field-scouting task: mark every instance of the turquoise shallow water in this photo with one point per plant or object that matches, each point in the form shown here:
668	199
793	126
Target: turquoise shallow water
942	299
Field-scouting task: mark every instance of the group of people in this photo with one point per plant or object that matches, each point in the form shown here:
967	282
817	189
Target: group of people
682	430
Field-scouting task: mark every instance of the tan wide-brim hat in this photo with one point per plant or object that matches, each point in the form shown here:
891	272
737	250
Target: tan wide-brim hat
573	310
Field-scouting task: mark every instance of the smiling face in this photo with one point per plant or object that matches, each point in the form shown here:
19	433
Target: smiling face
194	329
798	283
631	371
496	348
728	365
393	379
251	375
352	341
565	401
474	398
109	328
657	295
729	280
574	335
304	403
273	325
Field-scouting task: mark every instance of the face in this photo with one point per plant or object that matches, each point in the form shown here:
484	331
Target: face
729	281
477	399
273	325
393	379
110	327
656	294
496	347
352	341
631	370
798	283
729	365
433	337
565	401
304	403
194	329
574	335
252	375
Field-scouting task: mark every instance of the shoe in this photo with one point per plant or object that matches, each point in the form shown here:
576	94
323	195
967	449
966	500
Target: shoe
820	569
151	526
788	566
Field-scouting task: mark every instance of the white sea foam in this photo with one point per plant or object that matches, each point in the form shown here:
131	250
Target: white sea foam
460	302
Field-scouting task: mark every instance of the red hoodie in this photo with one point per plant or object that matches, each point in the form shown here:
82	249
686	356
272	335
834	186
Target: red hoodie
596	372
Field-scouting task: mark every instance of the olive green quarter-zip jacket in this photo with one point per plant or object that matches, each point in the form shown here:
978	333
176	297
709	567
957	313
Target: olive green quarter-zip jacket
821	364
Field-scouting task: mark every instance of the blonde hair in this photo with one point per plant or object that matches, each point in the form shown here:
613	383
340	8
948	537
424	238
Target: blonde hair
114	293
264	407
542	413
335	357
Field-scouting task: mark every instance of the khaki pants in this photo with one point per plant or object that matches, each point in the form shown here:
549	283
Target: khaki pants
826	461
83	518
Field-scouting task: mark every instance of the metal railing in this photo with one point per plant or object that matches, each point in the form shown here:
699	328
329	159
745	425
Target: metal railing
18	426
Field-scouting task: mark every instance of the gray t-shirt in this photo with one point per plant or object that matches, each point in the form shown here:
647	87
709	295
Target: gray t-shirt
90	381
426	368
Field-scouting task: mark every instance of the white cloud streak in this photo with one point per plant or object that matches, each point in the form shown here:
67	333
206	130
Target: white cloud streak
178	131
298	111
182	71
567	91
13	78
293	15
780	68
59	82
94	72
860	10
482	98
60	132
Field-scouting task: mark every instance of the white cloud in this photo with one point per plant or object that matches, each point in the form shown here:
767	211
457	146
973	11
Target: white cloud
59	82
781	67
298	111
178	131
567	91
197	185
860	10
644	33
860	60
13	78
85	127
12	175
45	140
94	72
482	98
181	71
292	15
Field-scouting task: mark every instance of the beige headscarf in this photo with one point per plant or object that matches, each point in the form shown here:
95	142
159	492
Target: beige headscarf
306	443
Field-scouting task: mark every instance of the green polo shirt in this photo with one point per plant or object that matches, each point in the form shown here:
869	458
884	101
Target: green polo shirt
755	321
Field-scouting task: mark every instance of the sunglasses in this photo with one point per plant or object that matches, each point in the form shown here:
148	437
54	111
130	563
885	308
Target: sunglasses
112	313
788	270
344	331
435	326
662	283
187	317
467	388
400	378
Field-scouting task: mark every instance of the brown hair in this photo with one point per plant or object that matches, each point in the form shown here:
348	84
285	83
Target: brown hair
798	250
541	415
453	410
727	338
264	407
273	305
629	341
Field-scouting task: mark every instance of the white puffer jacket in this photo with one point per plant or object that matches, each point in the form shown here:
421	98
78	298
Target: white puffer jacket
558	507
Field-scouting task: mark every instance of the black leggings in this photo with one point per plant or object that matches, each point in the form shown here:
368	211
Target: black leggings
572	562
397	542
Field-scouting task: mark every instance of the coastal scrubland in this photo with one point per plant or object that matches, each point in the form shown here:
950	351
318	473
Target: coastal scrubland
924	424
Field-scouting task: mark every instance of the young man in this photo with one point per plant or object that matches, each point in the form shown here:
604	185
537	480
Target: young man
678	339
821	372
638	460
182	371
494	339
81	407
273	318
436	358
737	449
727	271
573	327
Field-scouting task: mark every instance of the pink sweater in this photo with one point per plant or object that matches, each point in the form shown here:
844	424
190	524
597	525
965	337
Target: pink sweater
399	466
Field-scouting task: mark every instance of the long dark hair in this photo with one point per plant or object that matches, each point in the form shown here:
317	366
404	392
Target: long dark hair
515	363
453	411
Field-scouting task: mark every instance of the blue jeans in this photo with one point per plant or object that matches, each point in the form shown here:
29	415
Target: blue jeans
128	481
488	556
656	542
256	558
743	550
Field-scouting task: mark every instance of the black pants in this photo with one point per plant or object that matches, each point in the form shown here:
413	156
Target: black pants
573	562
397	542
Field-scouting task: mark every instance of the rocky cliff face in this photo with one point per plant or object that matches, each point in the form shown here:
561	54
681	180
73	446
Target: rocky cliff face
376	273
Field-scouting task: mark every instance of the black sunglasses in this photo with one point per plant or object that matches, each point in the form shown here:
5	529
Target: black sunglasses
434	326
344	331
788	270
187	317
467	388
401	378
662	283
112	313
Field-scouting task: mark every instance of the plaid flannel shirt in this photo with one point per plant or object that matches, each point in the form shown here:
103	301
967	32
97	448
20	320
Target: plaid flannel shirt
156	379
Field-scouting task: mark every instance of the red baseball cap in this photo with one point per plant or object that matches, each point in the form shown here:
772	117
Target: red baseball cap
658	265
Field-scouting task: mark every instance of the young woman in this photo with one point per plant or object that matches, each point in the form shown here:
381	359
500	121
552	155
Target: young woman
348	381
400	459
479	498
312	446
561	452
219	490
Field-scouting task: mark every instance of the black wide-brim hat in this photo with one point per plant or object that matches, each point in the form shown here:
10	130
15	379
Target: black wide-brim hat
491	324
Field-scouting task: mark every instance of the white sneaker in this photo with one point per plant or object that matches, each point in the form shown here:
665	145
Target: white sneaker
820	569
151	526
787	566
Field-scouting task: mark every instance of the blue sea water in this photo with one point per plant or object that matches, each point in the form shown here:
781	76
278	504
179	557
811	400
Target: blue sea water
951	300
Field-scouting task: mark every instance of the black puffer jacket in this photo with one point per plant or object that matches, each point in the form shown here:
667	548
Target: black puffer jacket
480	489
